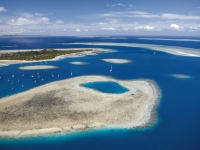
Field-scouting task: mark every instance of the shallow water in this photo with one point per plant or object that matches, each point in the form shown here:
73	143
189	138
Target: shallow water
106	87
178	110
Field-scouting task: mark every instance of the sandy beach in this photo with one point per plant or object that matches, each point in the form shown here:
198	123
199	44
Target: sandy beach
67	106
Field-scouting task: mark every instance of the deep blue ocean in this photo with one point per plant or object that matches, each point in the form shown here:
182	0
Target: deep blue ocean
178	123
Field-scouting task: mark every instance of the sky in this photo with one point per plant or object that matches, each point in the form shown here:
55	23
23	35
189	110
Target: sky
102	17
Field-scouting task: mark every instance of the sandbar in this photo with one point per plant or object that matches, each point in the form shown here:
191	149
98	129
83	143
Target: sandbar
78	63
181	76
67	106
39	67
180	51
117	61
166	39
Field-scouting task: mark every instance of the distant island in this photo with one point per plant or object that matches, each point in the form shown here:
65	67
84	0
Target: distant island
37	54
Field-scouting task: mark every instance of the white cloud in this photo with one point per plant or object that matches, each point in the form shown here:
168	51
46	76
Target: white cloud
114	5
144	28
28	21
39	14
2	9
178	16
112	20
197	28
120	4
78	30
102	23
139	13
142	14
175	26
108	29
109	21
26	15
126	29
113	23
59	22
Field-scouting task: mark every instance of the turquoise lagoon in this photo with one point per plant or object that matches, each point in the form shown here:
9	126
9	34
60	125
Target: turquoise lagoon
178	110
106	87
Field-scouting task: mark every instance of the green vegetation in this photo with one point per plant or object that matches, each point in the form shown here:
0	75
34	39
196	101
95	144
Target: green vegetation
37	55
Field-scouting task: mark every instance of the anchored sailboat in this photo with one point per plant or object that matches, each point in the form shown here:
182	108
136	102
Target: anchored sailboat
110	68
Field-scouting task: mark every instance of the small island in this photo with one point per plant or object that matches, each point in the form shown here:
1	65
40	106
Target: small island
78	63
38	55
117	61
39	67
69	106
44	54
